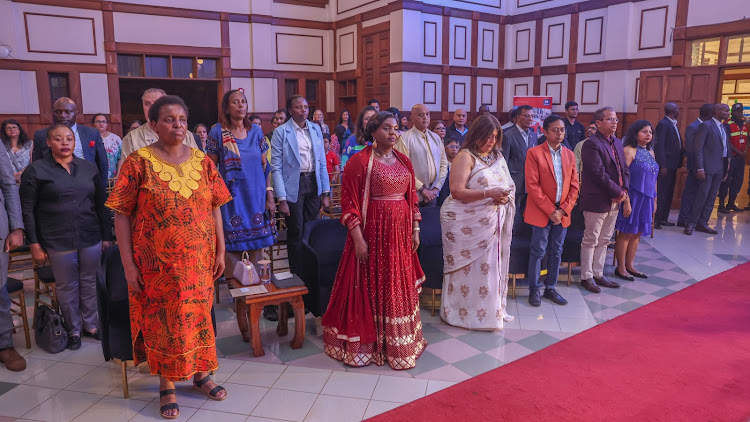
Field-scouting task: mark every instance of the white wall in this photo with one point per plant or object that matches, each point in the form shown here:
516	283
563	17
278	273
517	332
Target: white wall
150	29
94	93
19	90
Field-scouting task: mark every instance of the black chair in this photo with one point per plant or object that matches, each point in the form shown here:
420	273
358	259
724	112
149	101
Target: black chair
431	251
520	249
114	312
320	251
571	253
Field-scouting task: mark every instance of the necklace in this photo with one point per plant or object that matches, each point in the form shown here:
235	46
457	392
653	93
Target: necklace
489	158
380	154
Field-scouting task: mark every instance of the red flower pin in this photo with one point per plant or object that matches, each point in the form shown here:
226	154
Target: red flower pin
92	144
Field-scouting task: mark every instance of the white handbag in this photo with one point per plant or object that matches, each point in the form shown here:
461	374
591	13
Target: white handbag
244	271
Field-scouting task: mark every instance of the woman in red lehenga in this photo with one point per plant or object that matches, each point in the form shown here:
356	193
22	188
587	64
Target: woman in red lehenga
373	315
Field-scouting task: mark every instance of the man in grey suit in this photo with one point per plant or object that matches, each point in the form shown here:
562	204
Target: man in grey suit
710	150
691	183
11	229
516	141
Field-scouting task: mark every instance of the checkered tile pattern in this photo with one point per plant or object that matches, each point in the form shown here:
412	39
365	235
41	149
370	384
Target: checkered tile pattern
305	384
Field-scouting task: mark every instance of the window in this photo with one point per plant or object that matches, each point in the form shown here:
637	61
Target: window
291	87
738	49
58	86
157	67
704	52
182	67
311	90
207	68
129	65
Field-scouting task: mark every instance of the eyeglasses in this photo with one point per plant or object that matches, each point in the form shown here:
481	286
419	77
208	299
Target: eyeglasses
557	130
453	147
611	120
100	121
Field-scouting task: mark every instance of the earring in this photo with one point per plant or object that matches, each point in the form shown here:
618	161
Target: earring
374	143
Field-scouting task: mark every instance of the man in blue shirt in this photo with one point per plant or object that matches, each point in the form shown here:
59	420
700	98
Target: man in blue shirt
458	129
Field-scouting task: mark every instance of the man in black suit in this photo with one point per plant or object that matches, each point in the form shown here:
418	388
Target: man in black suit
691	183
668	152
710	151
516	141
89	145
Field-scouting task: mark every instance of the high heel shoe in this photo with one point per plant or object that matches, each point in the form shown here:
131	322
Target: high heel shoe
624	277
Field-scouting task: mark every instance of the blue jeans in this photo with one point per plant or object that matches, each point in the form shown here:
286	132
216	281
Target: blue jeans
549	239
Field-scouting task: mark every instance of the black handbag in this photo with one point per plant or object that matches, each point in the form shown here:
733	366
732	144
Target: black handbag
49	332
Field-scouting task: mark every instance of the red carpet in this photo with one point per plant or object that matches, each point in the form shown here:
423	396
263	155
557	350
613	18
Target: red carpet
685	357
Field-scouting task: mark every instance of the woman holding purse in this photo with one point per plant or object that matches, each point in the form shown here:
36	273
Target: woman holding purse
636	213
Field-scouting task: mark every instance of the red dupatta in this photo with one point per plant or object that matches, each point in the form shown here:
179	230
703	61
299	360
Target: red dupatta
349	311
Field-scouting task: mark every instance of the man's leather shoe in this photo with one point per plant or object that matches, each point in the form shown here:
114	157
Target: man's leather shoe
74	342
723	210
666	223
12	360
590	285
704	229
534	299
657	225
689	229
602	281
680	224
554	296
734	207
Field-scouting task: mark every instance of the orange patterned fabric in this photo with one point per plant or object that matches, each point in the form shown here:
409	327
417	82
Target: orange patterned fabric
172	229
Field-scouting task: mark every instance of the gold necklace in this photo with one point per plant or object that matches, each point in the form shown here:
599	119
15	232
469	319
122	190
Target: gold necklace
380	154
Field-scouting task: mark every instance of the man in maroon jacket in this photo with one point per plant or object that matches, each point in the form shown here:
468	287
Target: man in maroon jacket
603	188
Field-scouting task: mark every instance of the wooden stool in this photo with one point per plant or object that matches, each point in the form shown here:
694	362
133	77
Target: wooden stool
250	307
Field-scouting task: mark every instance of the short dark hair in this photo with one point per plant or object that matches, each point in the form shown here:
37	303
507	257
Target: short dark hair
631	135
375	122
327	136
225	120
552	118
93	119
22	137
570	104
281	110
447	141
707	111
255	116
167	100
480	131
57	126
290	100
373	100
599	114
521	109
339	131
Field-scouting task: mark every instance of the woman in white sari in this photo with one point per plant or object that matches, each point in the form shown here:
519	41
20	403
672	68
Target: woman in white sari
477	222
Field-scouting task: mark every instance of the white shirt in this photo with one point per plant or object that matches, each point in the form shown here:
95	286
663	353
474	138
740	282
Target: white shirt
78	149
674	123
304	143
723	135
557	167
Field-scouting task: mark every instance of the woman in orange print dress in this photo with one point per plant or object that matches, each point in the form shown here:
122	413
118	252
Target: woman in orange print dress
373	315
169	229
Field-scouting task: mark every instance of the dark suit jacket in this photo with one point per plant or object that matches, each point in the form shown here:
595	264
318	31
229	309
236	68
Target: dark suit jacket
708	148
667	148
689	144
452	133
601	183
10	210
96	154
514	150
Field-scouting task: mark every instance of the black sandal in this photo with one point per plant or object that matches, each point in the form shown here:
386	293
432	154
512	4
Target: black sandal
169	406
213	394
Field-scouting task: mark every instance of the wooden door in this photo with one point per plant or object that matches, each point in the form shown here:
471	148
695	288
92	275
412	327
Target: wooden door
376	79
689	88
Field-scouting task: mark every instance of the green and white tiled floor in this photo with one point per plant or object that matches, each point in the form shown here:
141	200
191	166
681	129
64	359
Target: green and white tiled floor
304	384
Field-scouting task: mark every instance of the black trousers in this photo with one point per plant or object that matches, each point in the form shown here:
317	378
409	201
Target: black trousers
665	187
306	209
733	184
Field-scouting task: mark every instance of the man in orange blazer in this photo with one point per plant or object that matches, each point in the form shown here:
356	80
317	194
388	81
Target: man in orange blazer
552	189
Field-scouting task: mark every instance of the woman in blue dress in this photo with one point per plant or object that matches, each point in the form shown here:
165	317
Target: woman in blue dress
357	142
635	218
239	150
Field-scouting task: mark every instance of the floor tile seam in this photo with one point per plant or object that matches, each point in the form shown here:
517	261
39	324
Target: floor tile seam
254	407
58	392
